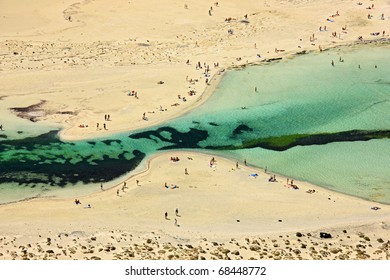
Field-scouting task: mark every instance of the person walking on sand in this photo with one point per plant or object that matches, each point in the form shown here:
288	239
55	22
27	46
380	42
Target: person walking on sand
117	192
166	215
175	222
237	164
101	186
185	171
177	212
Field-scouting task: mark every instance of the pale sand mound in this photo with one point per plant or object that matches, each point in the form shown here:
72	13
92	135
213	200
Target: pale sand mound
217	203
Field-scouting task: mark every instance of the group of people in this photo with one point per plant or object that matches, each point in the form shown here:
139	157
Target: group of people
290	183
124	186
176	214
133	93
272	178
107	117
211	8
98	125
175	159
77	202
172	186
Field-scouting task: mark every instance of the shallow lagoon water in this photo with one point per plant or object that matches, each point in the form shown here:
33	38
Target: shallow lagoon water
304	95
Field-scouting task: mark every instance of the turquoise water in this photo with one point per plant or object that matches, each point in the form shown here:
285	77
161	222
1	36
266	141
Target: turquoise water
317	114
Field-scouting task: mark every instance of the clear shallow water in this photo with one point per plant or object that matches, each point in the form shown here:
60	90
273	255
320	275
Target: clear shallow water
304	95
355	168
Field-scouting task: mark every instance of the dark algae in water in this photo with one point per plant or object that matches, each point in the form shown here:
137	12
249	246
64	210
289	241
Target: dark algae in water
46	159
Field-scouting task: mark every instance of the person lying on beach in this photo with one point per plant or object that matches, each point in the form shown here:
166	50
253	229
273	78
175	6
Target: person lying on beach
272	178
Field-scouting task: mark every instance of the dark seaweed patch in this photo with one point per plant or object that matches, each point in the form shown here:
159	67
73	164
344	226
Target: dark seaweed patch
188	139
241	128
286	142
109	142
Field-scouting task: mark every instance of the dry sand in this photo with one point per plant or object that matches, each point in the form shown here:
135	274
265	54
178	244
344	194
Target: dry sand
77	61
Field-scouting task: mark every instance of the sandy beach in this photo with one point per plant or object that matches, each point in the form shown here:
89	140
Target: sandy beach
76	65
70	64
221	209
